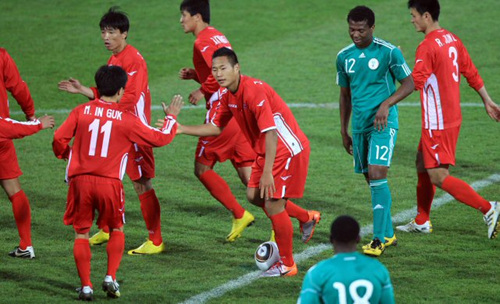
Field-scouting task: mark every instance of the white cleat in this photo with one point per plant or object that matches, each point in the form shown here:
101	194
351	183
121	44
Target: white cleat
414	227
491	218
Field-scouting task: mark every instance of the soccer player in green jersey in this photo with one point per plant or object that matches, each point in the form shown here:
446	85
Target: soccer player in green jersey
366	73
347	277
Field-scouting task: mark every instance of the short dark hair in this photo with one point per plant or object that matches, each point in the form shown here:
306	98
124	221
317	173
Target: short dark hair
362	13
226	52
422	6
115	19
110	79
345	229
194	7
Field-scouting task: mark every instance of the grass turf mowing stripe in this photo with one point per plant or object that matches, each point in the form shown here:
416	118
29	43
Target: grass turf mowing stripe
316	250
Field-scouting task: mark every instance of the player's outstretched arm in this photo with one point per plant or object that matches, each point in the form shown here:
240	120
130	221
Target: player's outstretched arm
491	107
74	86
195	97
175	106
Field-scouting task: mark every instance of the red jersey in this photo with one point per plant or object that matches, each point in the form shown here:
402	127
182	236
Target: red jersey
11	81
137	97
441	58
208	41
104	134
11	129
257	108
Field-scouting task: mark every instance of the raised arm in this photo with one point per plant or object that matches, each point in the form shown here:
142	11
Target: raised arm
74	86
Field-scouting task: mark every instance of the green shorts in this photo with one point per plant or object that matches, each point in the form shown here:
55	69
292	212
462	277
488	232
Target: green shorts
373	148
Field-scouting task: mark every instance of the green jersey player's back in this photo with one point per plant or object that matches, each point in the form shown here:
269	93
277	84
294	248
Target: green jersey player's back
370	73
347	278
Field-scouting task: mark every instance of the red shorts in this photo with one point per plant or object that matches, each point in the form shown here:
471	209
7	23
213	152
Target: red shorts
438	147
289	174
88	193
141	162
9	167
230	144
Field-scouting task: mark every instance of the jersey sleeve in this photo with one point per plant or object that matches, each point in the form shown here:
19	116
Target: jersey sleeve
135	77
387	296
222	115
149	136
398	65
469	70
311	292
342	79
12	129
260	104
210	85
17	87
423	66
64	134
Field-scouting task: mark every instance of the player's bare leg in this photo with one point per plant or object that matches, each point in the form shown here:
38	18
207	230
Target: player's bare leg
151	212
221	191
22	215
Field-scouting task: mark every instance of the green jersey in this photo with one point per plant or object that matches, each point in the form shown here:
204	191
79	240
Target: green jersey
370	73
347	278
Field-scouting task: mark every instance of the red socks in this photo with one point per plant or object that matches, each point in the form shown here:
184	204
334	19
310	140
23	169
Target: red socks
151	213
82	254
425	195
464	193
115	248
283	230
22	215
297	212
220	190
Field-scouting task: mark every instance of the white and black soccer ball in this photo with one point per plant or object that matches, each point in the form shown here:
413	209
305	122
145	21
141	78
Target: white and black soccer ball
266	255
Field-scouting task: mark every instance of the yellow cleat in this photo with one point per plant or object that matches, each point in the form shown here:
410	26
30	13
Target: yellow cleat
239	225
147	248
272	238
99	238
375	248
393	241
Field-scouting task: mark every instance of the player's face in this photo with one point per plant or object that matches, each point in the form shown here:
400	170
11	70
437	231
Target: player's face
188	22
418	20
226	75
114	40
361	34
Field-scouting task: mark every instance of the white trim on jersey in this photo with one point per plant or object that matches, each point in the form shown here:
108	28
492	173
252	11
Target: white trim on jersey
123	166
139	110
269	129
283	191
170	123
384	43
287	136
26	123
391	145
433	112
66	177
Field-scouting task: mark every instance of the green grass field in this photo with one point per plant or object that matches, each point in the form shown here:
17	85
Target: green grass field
292	45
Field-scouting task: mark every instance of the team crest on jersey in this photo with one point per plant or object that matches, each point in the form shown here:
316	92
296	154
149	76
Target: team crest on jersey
373	64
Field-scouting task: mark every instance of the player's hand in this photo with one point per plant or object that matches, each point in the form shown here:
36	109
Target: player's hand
187	73
380	121
31	118
175	106
71	86
347	142
493	110
47	121
195	96
266	185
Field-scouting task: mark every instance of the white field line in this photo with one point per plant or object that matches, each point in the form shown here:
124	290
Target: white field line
316	250
333	105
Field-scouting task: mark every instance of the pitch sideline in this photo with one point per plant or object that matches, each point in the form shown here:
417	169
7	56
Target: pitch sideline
316	250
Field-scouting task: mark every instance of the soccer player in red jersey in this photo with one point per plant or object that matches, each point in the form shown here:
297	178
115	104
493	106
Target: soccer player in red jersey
137	99
103	135
279	172
11	81
440	59
195	18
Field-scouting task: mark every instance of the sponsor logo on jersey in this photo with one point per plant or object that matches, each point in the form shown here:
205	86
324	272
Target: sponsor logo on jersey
232	105
373	64
419	60
362	55
260	104
434	147
132	73
285	177
204	49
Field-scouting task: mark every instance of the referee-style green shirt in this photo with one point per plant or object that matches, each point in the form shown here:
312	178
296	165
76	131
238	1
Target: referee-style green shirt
371	73
347	278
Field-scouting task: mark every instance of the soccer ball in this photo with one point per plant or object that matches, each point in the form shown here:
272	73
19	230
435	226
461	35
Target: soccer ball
266	255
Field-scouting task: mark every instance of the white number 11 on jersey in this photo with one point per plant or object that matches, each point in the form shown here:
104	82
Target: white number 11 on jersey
94	129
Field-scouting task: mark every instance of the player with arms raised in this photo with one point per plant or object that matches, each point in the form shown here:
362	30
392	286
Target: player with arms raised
439	61
366	73
103	135
137	99
347	277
